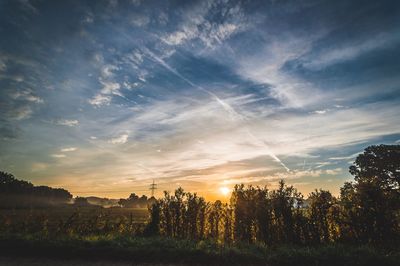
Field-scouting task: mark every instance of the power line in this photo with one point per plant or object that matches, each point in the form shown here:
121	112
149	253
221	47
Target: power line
153	187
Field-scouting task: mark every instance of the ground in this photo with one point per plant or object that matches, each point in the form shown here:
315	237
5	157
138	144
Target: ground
54	262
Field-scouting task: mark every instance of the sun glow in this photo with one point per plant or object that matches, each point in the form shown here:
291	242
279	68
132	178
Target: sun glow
224	191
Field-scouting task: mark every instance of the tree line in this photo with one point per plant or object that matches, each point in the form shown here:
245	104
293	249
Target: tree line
134	201
367	210
19	193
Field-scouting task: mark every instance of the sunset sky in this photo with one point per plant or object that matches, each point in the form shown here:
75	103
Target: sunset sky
103	97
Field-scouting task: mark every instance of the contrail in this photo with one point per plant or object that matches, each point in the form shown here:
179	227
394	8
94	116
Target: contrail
148	169
262	143
227	107
224	105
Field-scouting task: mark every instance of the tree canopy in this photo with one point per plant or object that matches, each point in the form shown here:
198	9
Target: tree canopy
368	209
14	192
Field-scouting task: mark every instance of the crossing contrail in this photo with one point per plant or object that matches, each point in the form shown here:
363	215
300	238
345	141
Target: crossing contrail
227	107
224	105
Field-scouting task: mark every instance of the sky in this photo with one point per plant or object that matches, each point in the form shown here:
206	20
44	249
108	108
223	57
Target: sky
103	97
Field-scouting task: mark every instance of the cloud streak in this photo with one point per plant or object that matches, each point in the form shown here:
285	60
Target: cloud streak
67	122
196	94
227	107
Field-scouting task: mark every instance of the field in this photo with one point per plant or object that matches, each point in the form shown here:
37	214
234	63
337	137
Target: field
98	236
53	214
70	221
161	251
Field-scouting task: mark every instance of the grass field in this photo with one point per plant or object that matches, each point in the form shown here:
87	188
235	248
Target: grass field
98	236
69	220
57	213
120	250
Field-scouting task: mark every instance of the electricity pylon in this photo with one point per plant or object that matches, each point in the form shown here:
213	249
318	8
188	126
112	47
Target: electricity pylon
153	187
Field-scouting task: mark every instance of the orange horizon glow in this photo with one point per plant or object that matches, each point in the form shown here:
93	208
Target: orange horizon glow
220	191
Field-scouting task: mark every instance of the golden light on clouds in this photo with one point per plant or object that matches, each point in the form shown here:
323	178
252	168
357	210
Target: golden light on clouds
188	112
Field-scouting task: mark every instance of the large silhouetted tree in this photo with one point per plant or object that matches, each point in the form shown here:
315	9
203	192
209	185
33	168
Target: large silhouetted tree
380	165
372	203
367	210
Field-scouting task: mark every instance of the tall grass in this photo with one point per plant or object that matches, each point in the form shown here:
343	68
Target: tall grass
167	250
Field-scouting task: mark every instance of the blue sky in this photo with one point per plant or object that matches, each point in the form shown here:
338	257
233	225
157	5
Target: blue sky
102	97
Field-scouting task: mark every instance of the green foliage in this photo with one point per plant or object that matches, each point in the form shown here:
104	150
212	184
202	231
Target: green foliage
160	250
254	222
323	216
367	211
379	165
371	204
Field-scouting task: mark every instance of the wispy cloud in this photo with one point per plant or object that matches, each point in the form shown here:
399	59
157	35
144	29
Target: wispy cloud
26	95
35	167
346	158
123	138
197	94
27	5
320	112
69	149
58	155
100	100
349	51
110	88
140	20
198	25
21	113
67	122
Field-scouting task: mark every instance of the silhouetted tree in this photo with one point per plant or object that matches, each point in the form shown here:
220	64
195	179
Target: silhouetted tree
153	227
228	224
10	185
371	204
243	208
367	210
215	214
321	203
134	201
193	216
19	193
380	165
263	215
81	202
283	202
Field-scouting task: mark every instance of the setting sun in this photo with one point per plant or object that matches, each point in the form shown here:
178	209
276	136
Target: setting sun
208	132
224	191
